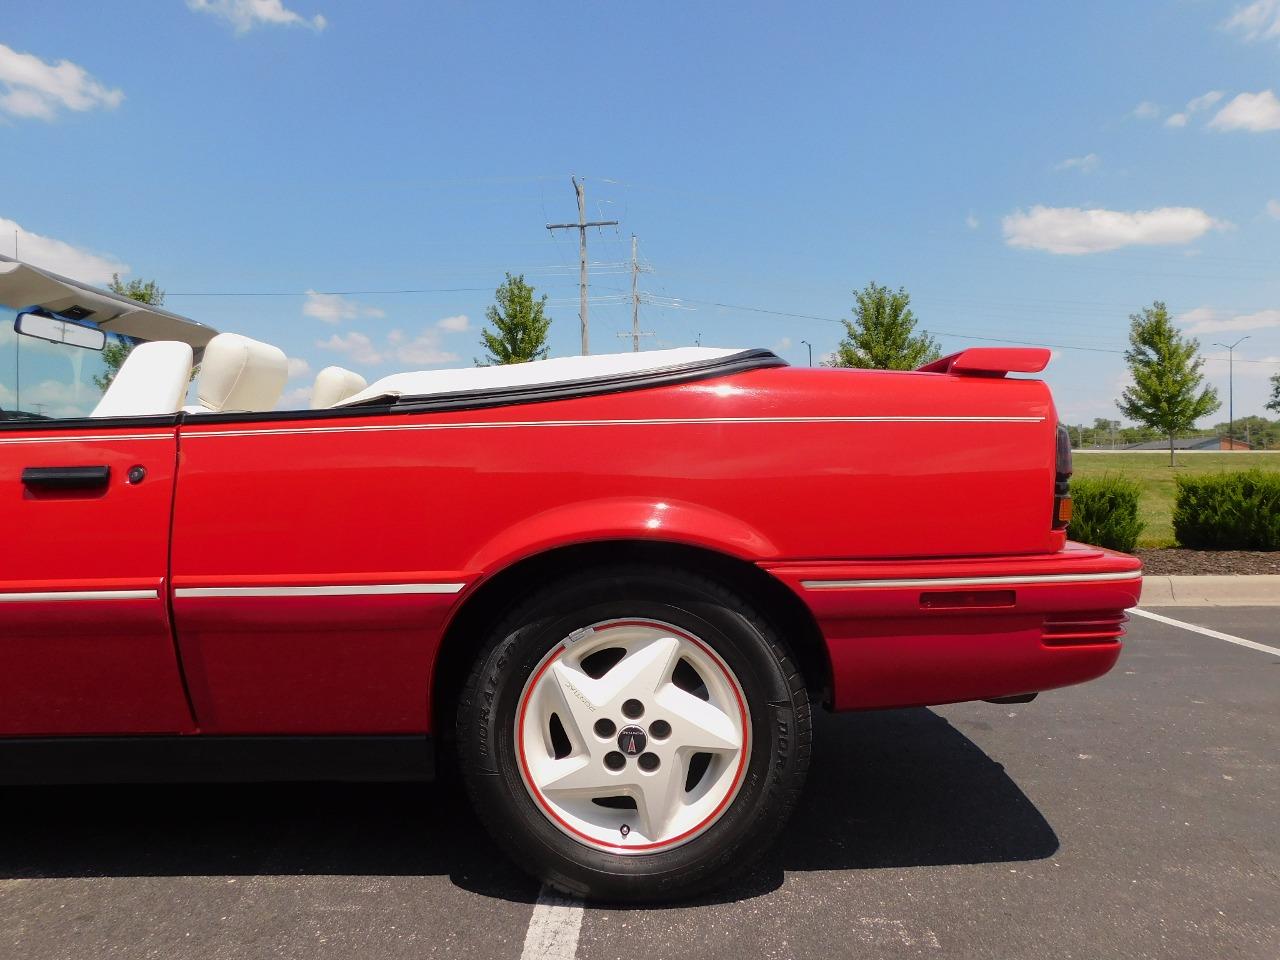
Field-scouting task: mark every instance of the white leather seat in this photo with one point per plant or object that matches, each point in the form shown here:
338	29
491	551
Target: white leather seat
335	384
152	380
239	375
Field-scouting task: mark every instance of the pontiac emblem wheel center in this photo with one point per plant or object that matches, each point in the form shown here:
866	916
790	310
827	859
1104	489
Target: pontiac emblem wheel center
632	741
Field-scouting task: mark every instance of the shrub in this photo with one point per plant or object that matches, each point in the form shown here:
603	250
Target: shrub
1105	512
1228	511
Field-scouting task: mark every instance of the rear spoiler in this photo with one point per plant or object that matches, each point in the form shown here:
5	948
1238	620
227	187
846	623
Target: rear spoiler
990	361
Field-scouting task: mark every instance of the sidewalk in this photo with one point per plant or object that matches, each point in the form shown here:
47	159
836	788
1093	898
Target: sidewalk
1211	591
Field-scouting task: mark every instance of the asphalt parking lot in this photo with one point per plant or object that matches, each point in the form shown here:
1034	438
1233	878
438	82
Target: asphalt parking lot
1132	817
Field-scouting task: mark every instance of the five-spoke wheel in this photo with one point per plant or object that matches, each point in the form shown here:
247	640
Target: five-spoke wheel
632	736
634	733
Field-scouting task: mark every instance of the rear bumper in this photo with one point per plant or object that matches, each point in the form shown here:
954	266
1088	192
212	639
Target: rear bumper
917	632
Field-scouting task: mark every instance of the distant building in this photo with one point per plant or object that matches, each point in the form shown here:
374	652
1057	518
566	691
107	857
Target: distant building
1192	443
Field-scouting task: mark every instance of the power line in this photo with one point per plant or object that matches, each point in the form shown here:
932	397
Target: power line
671	302
325	293
943	333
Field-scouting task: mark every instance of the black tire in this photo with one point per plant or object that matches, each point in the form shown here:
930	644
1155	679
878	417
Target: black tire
776	703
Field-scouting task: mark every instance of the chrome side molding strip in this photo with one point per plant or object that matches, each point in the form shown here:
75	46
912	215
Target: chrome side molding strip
970	581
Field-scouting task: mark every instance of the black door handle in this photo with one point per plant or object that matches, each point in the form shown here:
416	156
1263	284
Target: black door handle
66	478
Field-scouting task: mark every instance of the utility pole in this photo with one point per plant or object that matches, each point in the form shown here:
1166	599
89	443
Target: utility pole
635	298
636	332
1231	407
581	227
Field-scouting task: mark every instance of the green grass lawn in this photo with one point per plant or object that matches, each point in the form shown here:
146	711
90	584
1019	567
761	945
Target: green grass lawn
1155	476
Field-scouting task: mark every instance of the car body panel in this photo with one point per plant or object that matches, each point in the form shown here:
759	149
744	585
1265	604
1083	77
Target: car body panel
937	631
85	640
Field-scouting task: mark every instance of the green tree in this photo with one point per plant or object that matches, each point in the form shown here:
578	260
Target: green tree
144	291
116	352
882	336
1259	432
519	324
1166	393
1274	402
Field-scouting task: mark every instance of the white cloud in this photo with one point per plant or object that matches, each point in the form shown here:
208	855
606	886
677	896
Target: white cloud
1256	112
298	398
334	308
1086	164
59	256
1256	21
1146	110
783	344
1204	101
424	350
29	87
58	398
1273	208
355	345
298	368
455	324
244	15
1194	105
1072	230
971	222
1208	320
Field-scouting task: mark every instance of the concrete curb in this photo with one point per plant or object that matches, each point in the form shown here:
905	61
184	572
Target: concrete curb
1255	590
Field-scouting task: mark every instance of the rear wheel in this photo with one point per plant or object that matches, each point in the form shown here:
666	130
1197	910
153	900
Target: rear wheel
631	733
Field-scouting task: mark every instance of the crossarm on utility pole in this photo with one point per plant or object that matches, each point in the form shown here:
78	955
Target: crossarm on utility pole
575	226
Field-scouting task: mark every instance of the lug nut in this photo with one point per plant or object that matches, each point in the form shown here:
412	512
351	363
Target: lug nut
648	762
614	760
605	729
659	729
633	709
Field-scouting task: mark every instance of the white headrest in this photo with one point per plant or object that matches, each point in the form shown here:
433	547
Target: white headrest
152	380
335	384
240	375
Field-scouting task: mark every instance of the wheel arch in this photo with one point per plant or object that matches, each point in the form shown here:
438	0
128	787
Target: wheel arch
484	607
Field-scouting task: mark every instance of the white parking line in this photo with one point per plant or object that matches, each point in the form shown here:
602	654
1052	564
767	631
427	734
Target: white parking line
553	928
1251	644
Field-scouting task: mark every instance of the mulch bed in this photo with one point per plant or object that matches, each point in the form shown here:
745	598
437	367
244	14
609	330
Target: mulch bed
1176	562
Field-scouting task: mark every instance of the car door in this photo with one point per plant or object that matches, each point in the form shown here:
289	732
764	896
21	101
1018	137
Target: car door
85	640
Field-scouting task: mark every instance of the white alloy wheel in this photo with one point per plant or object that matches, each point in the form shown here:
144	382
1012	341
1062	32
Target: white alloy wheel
632	736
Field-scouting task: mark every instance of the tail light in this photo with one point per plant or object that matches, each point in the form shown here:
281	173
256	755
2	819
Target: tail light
1062	480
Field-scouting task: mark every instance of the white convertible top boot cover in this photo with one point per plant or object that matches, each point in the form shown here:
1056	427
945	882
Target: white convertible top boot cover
536	372
335	384
152	380
240	375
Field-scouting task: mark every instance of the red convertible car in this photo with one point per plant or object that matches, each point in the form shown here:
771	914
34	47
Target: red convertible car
611	587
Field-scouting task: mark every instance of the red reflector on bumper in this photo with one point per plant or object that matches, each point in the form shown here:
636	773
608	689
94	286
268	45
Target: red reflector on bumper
966	599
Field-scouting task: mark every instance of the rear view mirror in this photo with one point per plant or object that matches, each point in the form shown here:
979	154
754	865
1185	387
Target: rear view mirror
57	330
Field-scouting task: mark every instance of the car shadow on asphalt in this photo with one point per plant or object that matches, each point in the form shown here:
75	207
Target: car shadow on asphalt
898	788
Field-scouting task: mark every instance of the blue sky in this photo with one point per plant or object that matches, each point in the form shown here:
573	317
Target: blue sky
1030	172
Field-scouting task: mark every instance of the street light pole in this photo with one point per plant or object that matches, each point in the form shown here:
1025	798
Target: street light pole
810	346
1231	408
